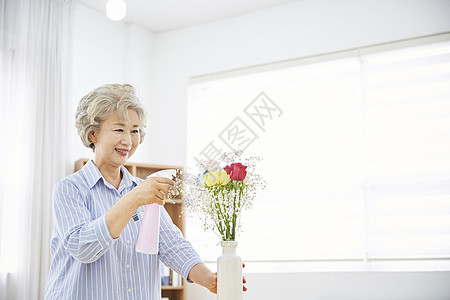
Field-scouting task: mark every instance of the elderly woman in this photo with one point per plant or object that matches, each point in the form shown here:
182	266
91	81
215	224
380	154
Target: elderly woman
94	236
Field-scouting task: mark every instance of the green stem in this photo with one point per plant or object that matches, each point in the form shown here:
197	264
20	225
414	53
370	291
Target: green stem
239	208
221	216
241	189
234	218
227	221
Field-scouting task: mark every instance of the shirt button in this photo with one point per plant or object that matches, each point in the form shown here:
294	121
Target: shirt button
129	290
128	242
127	266
107	243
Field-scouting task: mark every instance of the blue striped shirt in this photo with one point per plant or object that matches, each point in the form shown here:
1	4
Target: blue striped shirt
87	263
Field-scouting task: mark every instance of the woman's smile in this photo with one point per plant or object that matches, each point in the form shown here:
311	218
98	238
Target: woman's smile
122	151
116	140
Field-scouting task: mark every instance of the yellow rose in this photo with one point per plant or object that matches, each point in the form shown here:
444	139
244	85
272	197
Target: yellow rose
224	178
216	178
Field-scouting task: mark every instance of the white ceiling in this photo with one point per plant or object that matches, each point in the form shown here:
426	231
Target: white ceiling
161	15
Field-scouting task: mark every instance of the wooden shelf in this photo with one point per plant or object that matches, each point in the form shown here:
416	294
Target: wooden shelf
173	209
168	287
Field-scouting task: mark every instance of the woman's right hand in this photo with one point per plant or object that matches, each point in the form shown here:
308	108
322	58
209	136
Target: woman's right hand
152	190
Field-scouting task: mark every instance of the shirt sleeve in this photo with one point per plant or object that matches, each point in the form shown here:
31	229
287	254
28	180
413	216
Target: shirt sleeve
83	238
174	251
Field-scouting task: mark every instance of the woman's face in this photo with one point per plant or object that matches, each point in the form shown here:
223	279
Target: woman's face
117	139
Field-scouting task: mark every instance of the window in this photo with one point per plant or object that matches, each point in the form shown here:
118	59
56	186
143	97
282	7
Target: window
407	136
356	149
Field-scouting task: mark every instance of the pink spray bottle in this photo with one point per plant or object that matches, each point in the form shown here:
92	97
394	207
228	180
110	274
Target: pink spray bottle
148	239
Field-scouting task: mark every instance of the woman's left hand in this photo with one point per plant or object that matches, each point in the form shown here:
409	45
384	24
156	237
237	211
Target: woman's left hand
212	287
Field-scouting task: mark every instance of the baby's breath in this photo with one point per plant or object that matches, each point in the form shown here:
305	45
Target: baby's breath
176	189
220	206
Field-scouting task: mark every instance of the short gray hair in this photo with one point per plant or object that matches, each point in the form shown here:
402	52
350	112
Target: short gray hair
99	104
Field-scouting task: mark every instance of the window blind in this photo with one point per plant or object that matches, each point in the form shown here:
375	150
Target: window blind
407	121
356	155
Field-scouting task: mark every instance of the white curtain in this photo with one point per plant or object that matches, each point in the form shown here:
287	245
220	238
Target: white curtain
34	51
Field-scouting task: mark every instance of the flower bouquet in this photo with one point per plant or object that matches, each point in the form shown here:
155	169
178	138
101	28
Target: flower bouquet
218	195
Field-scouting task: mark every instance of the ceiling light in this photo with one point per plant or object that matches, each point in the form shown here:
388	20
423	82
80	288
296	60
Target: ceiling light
116	9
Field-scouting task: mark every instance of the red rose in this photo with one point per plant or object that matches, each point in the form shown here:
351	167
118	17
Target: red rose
236	171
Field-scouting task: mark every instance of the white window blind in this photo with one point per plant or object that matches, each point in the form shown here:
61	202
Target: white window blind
356	155
407	121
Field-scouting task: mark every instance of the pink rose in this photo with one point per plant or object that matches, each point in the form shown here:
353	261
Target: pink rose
236	171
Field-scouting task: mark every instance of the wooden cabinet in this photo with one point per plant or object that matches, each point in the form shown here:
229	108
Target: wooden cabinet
174	210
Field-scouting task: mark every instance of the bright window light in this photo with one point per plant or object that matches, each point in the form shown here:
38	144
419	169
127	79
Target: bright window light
346	140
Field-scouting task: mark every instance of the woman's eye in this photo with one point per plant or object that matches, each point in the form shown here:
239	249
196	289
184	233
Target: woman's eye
135	131
119	130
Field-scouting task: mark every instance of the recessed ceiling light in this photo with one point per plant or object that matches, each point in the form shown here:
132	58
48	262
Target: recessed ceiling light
116	10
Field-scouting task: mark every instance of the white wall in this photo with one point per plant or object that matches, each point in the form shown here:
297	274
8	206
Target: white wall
295	30
108	52
340	286
113	52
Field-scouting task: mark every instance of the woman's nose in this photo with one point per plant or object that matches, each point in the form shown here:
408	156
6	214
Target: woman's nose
126	139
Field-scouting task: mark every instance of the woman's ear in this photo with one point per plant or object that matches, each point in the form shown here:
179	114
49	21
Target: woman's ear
92	136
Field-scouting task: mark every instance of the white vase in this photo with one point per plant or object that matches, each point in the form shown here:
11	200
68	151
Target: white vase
229	273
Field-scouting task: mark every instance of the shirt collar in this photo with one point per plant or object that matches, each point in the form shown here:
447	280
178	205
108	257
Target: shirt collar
127	179
93	175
